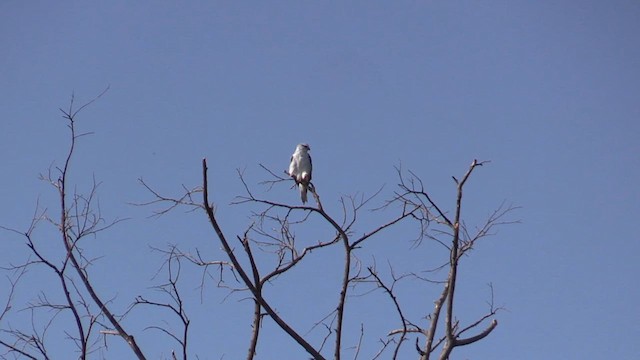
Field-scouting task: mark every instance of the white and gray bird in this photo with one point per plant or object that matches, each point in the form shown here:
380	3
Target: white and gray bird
300	169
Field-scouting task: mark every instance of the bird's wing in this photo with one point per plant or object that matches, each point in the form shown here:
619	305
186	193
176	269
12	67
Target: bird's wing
293	168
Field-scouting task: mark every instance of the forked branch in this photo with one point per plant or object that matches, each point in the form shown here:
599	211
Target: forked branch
452	335
243	274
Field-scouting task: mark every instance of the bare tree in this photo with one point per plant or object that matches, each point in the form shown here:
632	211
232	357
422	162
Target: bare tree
268	249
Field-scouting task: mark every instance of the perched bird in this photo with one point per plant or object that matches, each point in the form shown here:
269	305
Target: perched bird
300	169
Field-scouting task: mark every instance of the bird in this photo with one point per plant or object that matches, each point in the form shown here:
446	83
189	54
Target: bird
300	169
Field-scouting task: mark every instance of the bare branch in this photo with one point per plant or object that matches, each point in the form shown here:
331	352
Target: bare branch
355	356
186	199
67	236
482	335
176	304
245	278
394	299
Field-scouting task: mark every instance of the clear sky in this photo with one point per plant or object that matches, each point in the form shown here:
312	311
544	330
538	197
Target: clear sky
549	91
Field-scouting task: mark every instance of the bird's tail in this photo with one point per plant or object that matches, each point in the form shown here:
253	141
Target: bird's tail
303	192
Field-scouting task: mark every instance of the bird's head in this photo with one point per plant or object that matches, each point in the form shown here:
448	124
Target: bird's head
303	147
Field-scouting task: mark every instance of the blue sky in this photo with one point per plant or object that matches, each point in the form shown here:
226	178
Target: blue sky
548	91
